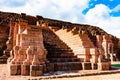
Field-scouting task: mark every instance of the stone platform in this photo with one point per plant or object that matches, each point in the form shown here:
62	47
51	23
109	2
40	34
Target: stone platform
4	74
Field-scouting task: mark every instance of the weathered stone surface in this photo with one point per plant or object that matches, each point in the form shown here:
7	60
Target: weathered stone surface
36	70
104	66
49	67
28	49
15	69
68	66
87	66
94	66
25	70
79	43
105	47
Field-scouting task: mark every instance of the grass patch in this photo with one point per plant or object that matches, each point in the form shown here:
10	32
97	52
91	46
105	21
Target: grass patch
116	65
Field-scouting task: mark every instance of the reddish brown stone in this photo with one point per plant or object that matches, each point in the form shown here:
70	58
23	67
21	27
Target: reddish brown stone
15	69
104	66
25	70
36	70
28	49
87	66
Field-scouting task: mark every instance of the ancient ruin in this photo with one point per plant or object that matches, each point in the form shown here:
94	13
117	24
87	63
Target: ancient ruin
28	49
43	47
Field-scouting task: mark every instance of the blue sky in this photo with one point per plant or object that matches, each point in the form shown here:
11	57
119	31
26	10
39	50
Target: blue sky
109	3
102	13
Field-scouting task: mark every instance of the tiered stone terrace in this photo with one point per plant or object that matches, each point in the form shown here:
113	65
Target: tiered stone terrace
66	49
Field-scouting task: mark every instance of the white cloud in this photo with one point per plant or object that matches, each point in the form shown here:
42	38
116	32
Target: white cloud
117	8
68	10
12	3
59	9
99	16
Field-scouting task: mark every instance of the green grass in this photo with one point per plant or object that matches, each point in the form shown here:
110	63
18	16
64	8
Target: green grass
116	65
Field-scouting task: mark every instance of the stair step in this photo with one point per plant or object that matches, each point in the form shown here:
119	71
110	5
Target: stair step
63	50
58	52
64	59
70	36
67	66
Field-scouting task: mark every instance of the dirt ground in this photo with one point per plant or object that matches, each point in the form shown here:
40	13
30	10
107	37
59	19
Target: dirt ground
96	77
4	75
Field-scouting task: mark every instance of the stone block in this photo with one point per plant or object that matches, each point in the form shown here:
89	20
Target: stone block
15	69
75	66
25	70
104	66
36	70
79	66
94	66
32	73
39	73
58	67
55	67
86	66
67	66
49	67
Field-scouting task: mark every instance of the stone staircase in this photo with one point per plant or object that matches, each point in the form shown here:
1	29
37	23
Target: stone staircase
80	43
59	54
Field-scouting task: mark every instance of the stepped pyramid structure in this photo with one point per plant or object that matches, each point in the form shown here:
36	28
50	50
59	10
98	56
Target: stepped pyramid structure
37	45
